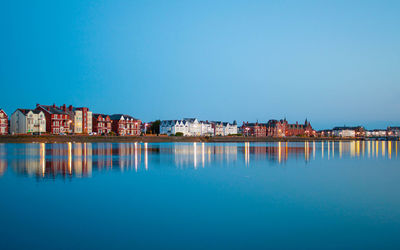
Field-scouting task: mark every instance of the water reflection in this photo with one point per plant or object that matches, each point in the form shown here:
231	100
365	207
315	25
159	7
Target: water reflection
82	159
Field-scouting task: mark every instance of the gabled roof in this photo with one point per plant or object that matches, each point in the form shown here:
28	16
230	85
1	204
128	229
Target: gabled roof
52	110
26	111
97	115
117	117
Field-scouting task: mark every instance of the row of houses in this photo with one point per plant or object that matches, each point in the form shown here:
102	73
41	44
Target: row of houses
194	127
277	128
56	120
360	132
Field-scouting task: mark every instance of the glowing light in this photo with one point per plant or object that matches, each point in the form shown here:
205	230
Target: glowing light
145	156
195	155
279	152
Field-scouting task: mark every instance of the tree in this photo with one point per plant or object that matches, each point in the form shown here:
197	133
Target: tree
155	127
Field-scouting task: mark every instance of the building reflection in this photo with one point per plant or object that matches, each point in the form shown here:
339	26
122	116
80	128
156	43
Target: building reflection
3	159
79	160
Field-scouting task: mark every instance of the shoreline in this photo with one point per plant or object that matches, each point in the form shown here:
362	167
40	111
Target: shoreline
158	139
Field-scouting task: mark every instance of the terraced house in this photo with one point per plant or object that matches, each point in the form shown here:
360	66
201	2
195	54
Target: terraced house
27	121
125	125
254	129
81	118
3	122
57	121
101	124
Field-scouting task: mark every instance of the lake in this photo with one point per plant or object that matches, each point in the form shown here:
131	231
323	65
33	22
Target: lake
314	195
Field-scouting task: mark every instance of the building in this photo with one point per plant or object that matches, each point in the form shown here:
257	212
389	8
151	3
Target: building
171	127
277	128
344	131
299	129
218	128
254	129
81	119
393	131
194	126
206	128
27	121
125	125
3	123
376	133
57	121
225	128
101	124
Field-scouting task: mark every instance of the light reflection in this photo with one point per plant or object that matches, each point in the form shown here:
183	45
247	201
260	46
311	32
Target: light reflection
81	159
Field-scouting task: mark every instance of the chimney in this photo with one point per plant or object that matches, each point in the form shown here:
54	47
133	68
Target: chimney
54	105
64	107
70	107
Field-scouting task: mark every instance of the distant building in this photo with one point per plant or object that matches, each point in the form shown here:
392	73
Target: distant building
101	124
125	125
344	131
57	121
206	128
3	122
28	121
171	127
254	129
193	127
376	133
218	128
393	131
300	129
276	128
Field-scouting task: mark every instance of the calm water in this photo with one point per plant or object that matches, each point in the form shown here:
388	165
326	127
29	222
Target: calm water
203	196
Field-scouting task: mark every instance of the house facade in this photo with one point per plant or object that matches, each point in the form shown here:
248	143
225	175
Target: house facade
171	127
206	128
276	128
299	129
81	118
28	121
230	128
393	131
254	129
344	132
125	125
57	121
101	124
3	122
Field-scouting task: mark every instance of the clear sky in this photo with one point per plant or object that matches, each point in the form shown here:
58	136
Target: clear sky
334	62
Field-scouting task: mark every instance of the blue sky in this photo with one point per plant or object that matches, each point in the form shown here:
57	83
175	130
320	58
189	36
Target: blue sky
334	62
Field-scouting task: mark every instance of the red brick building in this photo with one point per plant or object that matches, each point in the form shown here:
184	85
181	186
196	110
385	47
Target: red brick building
254	129
3	123
125	125
57	121
276	128
101	124
300	129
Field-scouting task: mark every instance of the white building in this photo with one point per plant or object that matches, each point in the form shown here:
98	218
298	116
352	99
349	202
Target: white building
27	121
376	133
206	128
344	132
225	128
171	127
230	129
193	127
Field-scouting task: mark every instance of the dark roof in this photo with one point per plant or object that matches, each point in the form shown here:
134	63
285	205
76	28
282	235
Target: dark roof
53	110
97	115
346	127
26	111
118	117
